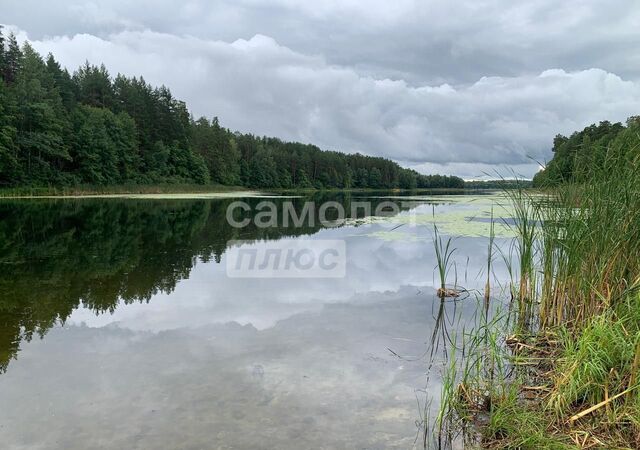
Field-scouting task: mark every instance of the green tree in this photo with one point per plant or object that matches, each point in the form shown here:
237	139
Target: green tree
408	180
375	178
9	168
2	56
94	153
12	59
362	178
121	130
94	85
39	121
303	179
63	82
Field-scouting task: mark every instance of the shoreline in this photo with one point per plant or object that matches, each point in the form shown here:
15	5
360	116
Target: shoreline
558	365
196	191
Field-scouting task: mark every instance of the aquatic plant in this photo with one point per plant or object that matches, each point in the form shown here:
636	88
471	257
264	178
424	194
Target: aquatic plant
574	352
444	253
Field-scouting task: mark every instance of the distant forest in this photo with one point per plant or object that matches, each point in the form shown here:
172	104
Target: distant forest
499	184
597	149
62	129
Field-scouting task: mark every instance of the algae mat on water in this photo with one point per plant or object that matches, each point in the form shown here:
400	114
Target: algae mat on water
463	216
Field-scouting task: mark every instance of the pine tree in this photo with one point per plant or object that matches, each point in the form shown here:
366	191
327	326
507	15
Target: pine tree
122	132
9	169
12	60
94	86
63	83
2	56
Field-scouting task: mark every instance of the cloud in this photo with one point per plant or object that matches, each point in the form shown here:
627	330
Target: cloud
431	84
416	40
260	86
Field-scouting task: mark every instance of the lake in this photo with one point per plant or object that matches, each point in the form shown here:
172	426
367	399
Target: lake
121	325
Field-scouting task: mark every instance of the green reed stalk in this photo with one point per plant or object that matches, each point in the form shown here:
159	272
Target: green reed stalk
444	253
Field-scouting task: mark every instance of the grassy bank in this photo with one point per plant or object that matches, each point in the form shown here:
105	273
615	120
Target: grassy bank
87	190
561	368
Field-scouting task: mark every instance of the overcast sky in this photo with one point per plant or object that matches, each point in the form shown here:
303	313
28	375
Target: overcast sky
465	88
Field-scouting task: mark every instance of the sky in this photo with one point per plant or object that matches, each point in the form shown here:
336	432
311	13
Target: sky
469	88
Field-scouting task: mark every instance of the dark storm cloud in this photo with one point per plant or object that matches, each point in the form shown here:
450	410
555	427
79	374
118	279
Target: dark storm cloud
434	84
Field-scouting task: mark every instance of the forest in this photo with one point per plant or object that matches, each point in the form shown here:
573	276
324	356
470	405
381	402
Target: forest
595	149
88	128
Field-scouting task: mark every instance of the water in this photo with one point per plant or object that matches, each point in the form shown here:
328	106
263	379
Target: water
119	327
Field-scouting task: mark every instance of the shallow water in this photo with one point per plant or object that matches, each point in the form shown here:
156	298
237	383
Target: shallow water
120	328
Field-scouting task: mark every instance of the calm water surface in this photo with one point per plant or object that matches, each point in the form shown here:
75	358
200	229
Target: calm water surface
119	327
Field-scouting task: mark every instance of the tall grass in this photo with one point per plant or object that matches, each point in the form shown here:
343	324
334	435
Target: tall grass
587	256
576	300
525	224
591	246
578	246
601	360
490	250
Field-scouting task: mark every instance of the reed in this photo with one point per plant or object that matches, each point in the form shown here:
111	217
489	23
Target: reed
492	236
575	266
444	253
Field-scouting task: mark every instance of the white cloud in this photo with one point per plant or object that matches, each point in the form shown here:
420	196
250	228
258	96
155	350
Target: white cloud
432	84
259	86
420	41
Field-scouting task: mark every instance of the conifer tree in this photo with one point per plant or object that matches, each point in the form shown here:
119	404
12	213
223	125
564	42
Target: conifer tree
12	59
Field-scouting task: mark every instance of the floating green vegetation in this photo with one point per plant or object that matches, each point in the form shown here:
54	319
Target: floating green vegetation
471	216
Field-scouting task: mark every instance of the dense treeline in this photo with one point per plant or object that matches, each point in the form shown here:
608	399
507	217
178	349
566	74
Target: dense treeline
595	149
61	129
497	184
247	160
